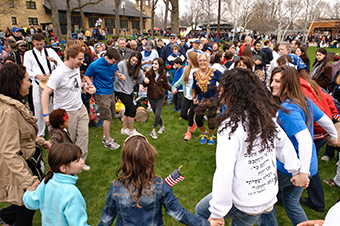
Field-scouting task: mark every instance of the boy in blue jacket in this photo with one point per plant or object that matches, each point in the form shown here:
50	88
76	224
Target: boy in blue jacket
177	75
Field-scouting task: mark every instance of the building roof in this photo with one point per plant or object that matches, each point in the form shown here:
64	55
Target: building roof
106	7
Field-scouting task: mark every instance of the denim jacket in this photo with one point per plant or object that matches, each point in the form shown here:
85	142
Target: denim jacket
120	204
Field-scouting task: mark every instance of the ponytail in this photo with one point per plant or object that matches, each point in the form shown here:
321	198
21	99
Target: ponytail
48	176
187	73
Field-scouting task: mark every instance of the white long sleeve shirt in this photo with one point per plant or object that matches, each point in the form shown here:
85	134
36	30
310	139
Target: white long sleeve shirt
32	66
248	181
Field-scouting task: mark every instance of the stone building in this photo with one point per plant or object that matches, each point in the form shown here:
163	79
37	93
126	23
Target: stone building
37	13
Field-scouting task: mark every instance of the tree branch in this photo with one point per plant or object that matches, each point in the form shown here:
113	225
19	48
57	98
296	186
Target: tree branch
86	4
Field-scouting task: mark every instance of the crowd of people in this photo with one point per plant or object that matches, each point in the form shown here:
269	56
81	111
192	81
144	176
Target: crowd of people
273	114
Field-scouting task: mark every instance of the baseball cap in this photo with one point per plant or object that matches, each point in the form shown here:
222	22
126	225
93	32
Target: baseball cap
197	41
16	28
173	35
148	45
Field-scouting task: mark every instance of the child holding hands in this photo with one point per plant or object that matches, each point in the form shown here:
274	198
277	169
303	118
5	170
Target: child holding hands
137	196
59	200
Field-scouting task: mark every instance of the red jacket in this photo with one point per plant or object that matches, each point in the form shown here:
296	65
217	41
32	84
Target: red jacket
326	105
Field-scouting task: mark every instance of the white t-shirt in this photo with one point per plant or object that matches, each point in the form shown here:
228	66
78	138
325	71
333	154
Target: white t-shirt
188	86
332	217
248	181
66	83
219	67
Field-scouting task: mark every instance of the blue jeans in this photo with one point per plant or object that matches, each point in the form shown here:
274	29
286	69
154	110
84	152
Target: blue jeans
238	218
291	201
315	190
169	96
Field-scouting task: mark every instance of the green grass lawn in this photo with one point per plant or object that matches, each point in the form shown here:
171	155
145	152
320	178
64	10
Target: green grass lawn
198	167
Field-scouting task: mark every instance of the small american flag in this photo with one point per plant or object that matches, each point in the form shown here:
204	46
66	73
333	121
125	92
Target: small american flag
174	178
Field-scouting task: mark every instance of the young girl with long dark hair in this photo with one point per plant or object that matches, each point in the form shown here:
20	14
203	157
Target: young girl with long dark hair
186	81
322	69
131	69
156	82
248	142
59	200
297	122
138	195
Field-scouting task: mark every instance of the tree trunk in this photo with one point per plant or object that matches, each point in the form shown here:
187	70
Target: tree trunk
82	25
153	19
55	19
141	18
166	15
174	17
68	19
117	21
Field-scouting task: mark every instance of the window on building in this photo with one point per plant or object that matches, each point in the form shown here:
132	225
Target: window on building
124	24
92	22
14	21
32	21
11	3
135	24
30	5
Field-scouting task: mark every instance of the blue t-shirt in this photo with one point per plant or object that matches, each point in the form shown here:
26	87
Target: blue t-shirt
102	73
294	122
206	88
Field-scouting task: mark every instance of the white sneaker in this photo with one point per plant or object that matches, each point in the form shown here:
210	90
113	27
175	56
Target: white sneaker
104	140
112	145
125	131
325	158
153	134
161	130
86	167
134	132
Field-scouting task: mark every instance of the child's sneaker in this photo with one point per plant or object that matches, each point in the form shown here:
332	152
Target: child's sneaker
193	128
187	136
149	109
203	138
111	144
211	140
161	130
174	109
179	110
153	134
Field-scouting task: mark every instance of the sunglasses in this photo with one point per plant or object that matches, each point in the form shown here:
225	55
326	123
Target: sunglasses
23	45
172	38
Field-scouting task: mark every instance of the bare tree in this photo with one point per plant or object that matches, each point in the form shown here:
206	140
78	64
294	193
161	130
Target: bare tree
312	9
82	15
141	18
174	16
208	7
153	8
117	19
334	10
193	15
55	18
